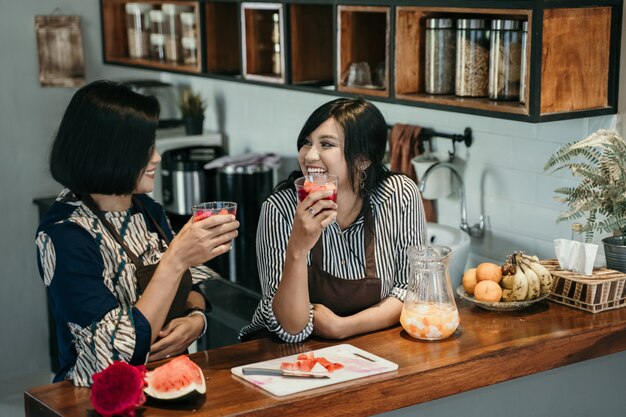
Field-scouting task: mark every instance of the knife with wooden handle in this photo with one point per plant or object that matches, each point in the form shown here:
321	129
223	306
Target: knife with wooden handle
283	372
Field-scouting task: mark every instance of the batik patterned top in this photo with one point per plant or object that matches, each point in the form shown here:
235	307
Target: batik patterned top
399	220
91	283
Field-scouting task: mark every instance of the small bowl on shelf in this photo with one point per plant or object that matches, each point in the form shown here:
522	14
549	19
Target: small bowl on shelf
499	305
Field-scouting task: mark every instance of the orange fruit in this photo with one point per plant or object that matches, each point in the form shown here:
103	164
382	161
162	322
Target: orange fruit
488	271
469	280
487	291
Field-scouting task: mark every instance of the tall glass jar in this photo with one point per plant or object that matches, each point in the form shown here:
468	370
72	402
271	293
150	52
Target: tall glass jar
138	29
524	69
172	30
440	56
505	60
157	38
472	58
429	311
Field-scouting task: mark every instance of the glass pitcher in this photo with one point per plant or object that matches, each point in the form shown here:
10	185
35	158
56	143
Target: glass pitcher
429	311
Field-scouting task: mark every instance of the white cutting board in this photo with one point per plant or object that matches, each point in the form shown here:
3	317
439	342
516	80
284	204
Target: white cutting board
354	367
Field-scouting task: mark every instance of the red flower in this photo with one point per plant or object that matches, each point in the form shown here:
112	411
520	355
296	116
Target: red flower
118	389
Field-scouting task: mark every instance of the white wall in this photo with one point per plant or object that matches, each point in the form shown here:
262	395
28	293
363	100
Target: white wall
29	116
502	169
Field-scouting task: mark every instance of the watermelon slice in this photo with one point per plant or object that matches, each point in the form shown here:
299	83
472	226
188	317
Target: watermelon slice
307	362
177	380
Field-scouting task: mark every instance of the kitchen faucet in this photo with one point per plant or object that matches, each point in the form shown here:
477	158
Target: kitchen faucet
477	230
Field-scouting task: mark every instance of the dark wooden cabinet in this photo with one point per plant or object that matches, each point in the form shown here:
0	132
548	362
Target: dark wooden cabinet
572	55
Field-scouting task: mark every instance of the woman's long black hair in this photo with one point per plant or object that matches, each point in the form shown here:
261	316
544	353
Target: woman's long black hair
365	133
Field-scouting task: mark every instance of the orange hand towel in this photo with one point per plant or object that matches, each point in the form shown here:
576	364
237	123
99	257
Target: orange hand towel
404	145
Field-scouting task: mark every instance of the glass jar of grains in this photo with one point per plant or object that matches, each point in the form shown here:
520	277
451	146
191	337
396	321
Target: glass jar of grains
138	29
172	30
472	58
505	59
440	56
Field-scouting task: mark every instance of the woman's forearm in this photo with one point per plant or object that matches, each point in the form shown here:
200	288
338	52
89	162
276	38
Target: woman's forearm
291	300
382	315
157	298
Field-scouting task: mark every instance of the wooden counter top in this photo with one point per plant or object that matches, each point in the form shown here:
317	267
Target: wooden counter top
488	348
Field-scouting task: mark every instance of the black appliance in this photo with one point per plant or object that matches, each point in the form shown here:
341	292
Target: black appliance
248	186
184	180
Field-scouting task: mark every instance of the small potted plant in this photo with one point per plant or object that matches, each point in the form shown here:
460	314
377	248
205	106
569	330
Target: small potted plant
599	161
192	107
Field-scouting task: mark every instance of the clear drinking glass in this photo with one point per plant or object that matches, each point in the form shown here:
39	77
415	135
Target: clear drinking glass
316	182
429	311
202	211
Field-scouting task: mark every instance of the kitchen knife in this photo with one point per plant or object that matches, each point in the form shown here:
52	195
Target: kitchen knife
283	372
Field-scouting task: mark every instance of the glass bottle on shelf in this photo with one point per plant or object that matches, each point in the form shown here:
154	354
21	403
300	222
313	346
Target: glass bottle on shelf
157	38
190	51
524	66
472	58
429	311
440	56
505	59
172	31
138	29
276	61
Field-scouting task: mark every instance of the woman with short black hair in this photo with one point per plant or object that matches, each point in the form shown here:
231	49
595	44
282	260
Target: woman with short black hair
121	286
337	269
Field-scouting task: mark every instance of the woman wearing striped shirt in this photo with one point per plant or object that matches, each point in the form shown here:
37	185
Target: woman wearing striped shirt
337	269
120	285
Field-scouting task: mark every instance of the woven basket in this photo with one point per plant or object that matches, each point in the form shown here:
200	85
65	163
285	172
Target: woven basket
603	290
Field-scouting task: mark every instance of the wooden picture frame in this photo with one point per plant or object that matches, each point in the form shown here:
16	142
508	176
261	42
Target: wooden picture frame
60	50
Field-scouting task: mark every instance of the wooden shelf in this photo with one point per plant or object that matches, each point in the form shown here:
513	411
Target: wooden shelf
410	53
363	36
222	40
311	35
115	37
572	59
258	48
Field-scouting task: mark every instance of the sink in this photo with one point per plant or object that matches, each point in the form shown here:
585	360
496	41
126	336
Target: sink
458	241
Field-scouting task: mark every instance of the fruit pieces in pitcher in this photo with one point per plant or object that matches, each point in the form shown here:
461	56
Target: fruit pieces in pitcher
306	361
206	213
311	187
429	321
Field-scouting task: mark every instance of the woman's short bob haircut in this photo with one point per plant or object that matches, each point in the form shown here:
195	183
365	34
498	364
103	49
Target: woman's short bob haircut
105	139
365	134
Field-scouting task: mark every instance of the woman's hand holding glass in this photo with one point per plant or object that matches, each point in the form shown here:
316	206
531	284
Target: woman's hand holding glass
202	240
313	214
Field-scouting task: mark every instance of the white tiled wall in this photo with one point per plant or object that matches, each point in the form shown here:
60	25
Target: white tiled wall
503	169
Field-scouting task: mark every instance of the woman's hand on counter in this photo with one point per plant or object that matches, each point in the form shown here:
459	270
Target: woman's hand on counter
176	337
327	324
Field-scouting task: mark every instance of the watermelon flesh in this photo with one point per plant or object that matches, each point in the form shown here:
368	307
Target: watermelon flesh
176	380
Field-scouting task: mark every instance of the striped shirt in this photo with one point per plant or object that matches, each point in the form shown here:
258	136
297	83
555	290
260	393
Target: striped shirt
91	283
399	221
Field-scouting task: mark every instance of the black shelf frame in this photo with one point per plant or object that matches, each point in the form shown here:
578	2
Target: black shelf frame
536	6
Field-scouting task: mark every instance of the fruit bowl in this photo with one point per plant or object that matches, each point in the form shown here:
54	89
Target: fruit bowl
499	305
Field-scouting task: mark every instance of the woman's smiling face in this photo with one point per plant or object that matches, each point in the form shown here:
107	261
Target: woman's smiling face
323	152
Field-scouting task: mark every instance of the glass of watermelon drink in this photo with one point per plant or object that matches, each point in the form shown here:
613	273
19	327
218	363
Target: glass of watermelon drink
202	211
316	182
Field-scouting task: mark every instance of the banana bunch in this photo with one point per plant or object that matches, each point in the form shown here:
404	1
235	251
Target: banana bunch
524	278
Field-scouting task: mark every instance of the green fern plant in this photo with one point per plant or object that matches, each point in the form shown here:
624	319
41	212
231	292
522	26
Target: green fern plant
191	104
599	161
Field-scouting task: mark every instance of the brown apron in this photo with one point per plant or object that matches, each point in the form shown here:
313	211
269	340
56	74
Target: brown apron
144	273
346	296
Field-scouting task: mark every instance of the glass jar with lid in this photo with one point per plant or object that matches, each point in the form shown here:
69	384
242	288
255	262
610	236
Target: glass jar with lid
138	29
440	56
472	58
188	21
505	61
190	51
524	66
157	38
172	30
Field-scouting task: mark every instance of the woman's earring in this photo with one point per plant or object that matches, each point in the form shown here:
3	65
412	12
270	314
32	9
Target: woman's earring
362	178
